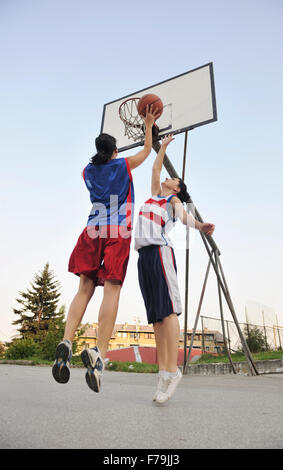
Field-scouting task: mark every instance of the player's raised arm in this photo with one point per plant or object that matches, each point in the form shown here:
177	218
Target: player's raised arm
188	219
157	165
150	118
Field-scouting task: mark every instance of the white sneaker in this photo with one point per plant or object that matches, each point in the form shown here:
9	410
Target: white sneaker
161	386
162	397
173	382
95	366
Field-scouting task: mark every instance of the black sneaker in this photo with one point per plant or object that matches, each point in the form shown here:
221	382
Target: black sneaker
94	363
61	366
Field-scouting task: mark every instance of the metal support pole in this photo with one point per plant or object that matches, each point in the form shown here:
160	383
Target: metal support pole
202	336
187	266
280	345
222	320
198	312
185	152
228	334
186	299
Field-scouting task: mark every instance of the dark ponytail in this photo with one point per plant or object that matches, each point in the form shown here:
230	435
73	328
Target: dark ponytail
183	194
105	146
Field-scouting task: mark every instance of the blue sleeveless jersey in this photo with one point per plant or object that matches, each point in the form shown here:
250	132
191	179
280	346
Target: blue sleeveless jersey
111	192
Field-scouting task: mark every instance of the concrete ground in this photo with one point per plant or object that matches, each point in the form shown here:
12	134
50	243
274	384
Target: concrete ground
207	412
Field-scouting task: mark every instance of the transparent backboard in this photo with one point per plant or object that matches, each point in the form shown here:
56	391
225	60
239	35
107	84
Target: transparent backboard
188	99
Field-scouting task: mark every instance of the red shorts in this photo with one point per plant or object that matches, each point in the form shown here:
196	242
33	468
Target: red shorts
100	256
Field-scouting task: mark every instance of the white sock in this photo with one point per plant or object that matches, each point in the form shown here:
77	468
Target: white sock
163	373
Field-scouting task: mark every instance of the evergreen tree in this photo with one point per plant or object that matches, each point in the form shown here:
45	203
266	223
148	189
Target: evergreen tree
38	305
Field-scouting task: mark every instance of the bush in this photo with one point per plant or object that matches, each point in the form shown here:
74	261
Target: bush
22	349
255	339
2	349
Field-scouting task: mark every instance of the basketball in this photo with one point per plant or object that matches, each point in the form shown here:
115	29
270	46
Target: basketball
148	100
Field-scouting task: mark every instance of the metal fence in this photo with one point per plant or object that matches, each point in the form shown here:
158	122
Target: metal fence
273	335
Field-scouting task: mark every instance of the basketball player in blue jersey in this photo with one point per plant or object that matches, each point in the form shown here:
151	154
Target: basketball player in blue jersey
101	254
157	268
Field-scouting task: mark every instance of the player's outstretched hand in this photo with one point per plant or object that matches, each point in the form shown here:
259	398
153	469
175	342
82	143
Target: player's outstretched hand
206	228
151	115
166	140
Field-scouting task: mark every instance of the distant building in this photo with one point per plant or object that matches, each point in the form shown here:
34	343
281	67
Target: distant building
125	336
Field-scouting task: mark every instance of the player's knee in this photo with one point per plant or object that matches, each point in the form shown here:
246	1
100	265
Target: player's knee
86	285
169	318
112	285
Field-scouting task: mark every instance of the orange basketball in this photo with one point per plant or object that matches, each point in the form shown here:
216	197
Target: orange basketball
148	100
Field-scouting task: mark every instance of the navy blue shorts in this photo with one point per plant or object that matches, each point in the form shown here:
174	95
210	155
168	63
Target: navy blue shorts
158	282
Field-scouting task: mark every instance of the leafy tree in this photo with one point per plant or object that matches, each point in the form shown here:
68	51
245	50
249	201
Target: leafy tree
255	339
38	306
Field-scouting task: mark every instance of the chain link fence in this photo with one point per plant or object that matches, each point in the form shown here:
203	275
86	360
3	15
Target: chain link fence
272	336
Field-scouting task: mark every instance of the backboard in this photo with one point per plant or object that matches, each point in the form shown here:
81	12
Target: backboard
188	99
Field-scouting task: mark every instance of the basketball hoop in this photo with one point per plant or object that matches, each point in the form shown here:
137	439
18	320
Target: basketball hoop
134	125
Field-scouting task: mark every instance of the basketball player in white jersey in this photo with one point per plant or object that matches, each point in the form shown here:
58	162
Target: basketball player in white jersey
157	269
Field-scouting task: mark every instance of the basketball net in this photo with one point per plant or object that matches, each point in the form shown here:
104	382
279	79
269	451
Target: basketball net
134	125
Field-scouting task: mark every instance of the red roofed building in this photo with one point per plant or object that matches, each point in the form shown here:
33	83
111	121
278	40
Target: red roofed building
136	343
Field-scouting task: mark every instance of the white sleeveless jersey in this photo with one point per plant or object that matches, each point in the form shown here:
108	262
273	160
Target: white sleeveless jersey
155	220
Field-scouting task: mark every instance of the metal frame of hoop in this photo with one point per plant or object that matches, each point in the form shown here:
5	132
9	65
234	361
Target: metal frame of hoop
129	115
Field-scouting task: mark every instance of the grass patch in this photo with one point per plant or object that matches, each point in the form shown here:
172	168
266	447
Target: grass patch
239	357
268	355
38	361
132	367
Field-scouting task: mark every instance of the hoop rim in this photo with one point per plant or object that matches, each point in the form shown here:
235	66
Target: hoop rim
124	119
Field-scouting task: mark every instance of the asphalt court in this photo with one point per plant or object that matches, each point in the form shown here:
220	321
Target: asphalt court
207	412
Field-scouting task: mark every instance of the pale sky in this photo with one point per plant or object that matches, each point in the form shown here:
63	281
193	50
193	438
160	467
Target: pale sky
61	61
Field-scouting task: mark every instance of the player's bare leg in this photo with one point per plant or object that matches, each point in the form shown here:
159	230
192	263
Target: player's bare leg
171	330
161	345
107	314
63	355
93	358
78	306
174	375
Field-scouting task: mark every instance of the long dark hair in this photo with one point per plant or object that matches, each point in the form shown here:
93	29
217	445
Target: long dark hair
183	194
105	146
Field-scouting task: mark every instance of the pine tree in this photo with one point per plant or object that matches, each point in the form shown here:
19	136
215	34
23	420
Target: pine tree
38	305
